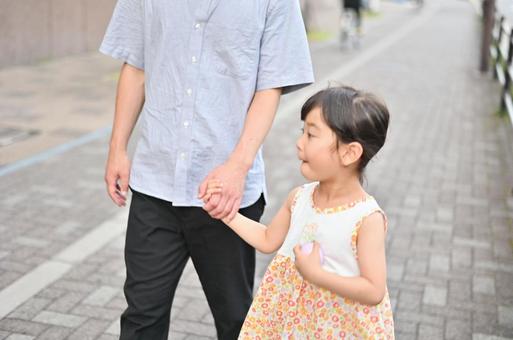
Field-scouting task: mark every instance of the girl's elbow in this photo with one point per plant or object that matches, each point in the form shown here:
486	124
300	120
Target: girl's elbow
267	250
377	297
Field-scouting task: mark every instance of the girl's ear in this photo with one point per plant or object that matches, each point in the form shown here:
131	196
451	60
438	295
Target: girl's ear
350	153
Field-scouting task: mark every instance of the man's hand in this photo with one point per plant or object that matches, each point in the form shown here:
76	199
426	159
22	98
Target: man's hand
225	203
117	174
309	265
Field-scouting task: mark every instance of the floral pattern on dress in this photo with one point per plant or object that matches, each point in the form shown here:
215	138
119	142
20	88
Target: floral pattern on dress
289	307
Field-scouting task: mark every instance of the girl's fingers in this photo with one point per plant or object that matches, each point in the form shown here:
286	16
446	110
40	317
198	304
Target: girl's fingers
211	192
297	251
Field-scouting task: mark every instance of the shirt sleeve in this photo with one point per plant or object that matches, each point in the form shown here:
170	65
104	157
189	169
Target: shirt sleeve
284	53
124	38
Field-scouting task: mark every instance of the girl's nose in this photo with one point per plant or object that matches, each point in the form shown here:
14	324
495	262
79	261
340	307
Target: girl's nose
299	144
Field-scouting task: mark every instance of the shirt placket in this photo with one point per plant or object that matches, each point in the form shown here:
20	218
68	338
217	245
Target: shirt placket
187	115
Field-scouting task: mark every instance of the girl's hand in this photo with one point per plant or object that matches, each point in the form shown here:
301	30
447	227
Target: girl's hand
309	265
214	186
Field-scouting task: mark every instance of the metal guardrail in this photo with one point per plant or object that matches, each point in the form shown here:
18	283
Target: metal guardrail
501	51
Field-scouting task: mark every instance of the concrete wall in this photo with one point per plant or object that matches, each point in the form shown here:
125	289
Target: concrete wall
34	30
322	15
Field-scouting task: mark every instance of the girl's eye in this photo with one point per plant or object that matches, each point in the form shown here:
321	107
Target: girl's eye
309	135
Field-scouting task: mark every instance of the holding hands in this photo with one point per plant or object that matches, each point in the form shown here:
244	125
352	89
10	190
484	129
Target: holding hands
222	191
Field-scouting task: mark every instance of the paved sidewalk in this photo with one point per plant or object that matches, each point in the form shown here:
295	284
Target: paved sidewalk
444	178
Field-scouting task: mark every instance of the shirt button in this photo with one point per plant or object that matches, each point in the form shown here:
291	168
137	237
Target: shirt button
182	155
197	26
189	91
194	59
186	123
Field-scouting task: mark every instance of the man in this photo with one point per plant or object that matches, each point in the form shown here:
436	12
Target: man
207	75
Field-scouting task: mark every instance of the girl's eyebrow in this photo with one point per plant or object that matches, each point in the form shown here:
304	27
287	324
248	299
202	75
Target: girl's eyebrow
312	125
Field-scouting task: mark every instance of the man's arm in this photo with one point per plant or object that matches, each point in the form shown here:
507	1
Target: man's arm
129	102
233	172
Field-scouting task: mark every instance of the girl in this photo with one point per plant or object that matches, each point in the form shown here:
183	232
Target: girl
338	288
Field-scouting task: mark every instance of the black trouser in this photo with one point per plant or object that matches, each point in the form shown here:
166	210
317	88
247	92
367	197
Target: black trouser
160	239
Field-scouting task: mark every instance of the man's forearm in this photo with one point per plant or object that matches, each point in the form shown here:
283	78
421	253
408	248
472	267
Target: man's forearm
256	126
129	102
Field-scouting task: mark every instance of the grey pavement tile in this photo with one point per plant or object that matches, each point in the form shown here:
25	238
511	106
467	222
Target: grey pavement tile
91	329
439	263
67	227
405	316
484	323
406	327
505	314
196	337
460	241
114	328
395	271
67	302
101	296
120	303
483	284
19	337
74	286
29	309
110	337
405	336
435	295
457	329
409	300
480	336
461	257
59	319
193	328
430	332
21	326
177	335
96	312
50	293
195	310
31	242
460	290
416	266
55	333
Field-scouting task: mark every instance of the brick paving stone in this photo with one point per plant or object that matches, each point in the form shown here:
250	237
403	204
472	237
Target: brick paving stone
21	326
55	333
429	332
101	296
457	329
59	319
505	315
435	296
483	284
19	337
91	329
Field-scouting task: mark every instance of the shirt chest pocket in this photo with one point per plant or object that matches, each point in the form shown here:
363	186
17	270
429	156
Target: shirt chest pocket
234	51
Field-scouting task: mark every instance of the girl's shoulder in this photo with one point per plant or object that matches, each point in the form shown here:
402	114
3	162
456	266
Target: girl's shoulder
299	193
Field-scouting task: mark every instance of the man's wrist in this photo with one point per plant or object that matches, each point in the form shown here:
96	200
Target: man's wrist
117	146
242	163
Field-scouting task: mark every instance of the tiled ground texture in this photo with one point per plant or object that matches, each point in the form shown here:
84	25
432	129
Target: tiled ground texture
445	179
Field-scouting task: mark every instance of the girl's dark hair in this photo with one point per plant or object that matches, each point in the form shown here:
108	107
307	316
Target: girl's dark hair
354	116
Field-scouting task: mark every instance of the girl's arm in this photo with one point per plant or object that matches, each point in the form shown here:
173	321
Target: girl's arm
264	239
368	288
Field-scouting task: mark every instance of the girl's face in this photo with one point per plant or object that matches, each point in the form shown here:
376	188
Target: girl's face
317	149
